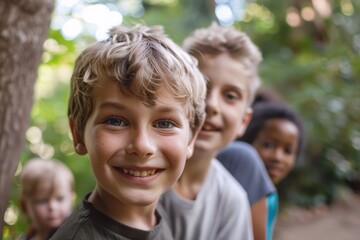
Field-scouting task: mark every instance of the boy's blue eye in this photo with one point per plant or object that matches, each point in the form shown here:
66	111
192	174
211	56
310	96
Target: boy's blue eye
115	121
164	124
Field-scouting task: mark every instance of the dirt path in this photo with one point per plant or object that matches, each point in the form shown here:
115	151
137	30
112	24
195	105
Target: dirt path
339	222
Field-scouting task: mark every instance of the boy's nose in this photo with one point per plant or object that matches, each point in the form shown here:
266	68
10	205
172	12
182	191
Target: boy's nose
141	145
212	104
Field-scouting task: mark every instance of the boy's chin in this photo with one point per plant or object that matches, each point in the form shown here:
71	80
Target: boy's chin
145	201
143	198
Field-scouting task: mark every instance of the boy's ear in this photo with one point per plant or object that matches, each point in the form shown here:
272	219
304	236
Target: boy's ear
190	148
78	141
244	122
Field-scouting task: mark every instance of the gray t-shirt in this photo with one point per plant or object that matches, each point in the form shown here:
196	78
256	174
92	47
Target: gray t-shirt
220	211
245	164
87	223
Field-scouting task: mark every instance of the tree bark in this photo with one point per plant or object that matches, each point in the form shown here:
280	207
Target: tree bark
24	26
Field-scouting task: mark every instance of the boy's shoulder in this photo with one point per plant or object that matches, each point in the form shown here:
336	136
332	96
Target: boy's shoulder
246	166
224	182
220	172
82	224
74	225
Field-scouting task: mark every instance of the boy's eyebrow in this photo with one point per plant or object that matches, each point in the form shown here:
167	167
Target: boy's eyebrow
163	109
233	84
111	104
237	87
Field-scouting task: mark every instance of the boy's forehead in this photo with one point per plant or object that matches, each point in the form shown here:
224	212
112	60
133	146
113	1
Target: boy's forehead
106	87
48	187
112	90
227	70
163	97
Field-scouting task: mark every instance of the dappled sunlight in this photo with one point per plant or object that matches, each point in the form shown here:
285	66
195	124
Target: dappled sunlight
79	17
347	7
355	139
11	215
256	12
47	82
34	135
308	13
293	17
42	150
228	12
322	7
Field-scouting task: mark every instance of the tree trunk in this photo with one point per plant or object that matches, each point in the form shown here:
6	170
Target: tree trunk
24	26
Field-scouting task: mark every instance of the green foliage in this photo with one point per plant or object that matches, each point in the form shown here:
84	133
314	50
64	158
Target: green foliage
315	67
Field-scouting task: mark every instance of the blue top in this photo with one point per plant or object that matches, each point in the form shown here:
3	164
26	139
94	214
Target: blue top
272	201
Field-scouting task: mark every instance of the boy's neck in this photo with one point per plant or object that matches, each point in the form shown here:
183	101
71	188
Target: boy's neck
194	175
140	217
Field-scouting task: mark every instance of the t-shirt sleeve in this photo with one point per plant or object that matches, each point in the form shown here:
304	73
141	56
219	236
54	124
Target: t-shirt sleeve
246	166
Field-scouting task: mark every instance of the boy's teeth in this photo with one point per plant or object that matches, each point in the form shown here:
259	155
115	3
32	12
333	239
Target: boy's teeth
137	173
208	127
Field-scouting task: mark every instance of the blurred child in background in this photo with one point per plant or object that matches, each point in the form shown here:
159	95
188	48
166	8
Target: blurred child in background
47	196
277	133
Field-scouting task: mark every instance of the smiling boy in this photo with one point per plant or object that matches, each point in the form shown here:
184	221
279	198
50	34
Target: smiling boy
136	105
207	203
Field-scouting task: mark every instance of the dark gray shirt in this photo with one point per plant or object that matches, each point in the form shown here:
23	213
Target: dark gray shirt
87	223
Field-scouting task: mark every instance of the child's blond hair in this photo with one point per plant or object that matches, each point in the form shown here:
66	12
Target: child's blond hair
42	172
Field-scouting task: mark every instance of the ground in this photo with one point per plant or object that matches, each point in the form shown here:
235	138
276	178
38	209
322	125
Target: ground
341	221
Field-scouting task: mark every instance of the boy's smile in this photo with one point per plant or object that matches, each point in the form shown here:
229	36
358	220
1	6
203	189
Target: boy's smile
136	151
139	175
209	128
